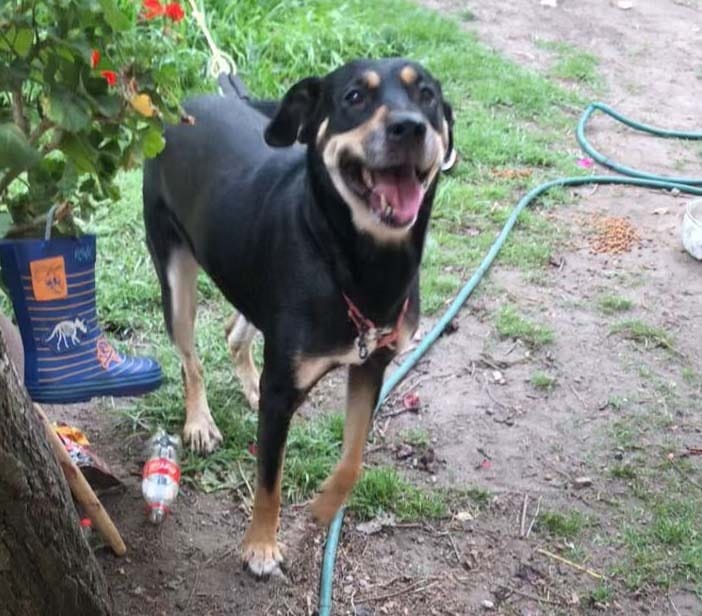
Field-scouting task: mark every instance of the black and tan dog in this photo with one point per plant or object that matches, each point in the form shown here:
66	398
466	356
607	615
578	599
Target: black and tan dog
318	247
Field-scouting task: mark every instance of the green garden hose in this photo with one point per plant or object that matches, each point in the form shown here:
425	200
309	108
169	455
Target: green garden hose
629	177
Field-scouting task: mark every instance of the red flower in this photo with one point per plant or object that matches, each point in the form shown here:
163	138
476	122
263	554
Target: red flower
153	9
110	77
94	58
174	11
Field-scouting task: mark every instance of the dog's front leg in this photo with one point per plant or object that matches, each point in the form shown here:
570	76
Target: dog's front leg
260	549
363	389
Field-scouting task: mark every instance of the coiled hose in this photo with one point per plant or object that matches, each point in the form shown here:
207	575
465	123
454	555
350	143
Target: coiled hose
628	177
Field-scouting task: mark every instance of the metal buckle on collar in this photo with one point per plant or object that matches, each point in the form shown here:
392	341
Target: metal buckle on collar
387	337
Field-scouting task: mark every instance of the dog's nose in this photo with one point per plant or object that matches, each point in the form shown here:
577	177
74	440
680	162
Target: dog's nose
405	127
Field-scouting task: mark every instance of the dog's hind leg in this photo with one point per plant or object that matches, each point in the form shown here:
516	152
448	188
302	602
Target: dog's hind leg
240	335
363	389
200	430
177	272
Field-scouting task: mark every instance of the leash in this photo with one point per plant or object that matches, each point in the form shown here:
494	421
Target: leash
221	65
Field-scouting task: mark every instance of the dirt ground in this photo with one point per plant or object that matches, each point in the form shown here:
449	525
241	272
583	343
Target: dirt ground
535	443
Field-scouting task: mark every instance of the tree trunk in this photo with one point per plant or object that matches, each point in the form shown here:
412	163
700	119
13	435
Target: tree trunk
46	566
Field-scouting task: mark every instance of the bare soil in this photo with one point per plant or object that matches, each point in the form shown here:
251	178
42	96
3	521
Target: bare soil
489	427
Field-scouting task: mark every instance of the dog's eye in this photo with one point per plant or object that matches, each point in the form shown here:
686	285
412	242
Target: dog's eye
354	98
426	95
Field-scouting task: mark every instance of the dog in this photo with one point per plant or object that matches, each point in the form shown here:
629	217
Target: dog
310	216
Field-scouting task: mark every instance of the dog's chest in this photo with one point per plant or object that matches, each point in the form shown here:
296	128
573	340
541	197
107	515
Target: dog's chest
310	368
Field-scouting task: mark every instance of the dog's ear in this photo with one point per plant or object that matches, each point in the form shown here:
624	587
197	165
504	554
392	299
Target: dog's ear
450	156
294	115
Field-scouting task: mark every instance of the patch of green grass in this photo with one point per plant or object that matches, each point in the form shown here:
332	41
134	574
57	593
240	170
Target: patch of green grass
612	304
384	490
623	471
602	595
691	377
418	437
572	63
510	324
563	525
667	547
543	381
643	334
617	402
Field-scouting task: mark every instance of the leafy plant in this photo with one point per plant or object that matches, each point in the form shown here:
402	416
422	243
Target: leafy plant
85	89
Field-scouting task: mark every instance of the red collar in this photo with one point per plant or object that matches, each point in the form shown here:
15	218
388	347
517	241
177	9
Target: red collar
364	326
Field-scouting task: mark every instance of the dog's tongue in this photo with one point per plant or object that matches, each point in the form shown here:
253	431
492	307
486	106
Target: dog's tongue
402	191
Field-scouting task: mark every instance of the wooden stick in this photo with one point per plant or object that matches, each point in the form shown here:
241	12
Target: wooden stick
570	563
82	491
533	520
522	525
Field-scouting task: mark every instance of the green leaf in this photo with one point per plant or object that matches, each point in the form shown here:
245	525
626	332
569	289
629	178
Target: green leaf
68	111
114	16
23	41
153	142
5	223
15	151
80	152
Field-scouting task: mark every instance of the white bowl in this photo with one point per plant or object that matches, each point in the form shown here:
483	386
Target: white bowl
692	229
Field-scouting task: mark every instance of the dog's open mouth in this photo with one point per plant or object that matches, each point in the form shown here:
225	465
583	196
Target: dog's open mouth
393	194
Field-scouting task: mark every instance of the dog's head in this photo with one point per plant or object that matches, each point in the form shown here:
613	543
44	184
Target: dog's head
382	131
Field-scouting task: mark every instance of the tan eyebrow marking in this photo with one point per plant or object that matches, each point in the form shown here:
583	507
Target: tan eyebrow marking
408	75
372	79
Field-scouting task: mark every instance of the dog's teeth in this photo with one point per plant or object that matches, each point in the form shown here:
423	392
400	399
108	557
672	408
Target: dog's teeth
367	177
385	206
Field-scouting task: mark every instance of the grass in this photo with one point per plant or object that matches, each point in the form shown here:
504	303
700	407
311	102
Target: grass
543	381
562	525
572	64
643	334
613	304
382	490
510	324
418	437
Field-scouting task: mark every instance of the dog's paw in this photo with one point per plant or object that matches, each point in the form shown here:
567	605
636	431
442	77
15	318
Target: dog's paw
262	559
202	435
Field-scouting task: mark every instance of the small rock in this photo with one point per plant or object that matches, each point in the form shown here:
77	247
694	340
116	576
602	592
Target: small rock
582	482
464	516
404	451
498	377
419	539
488	605
362	610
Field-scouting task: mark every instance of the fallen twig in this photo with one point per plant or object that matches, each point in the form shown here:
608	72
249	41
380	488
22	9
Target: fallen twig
527	595
578	396
522	525
533	520
675	608
570	563
411	589
246	481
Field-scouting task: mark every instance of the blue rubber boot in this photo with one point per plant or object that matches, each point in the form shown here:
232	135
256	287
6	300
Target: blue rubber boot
66	357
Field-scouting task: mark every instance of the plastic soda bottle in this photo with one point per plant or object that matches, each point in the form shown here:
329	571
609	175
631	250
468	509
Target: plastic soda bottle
161	475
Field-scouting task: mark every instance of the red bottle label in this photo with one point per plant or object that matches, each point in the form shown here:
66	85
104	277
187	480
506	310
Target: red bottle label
162	466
